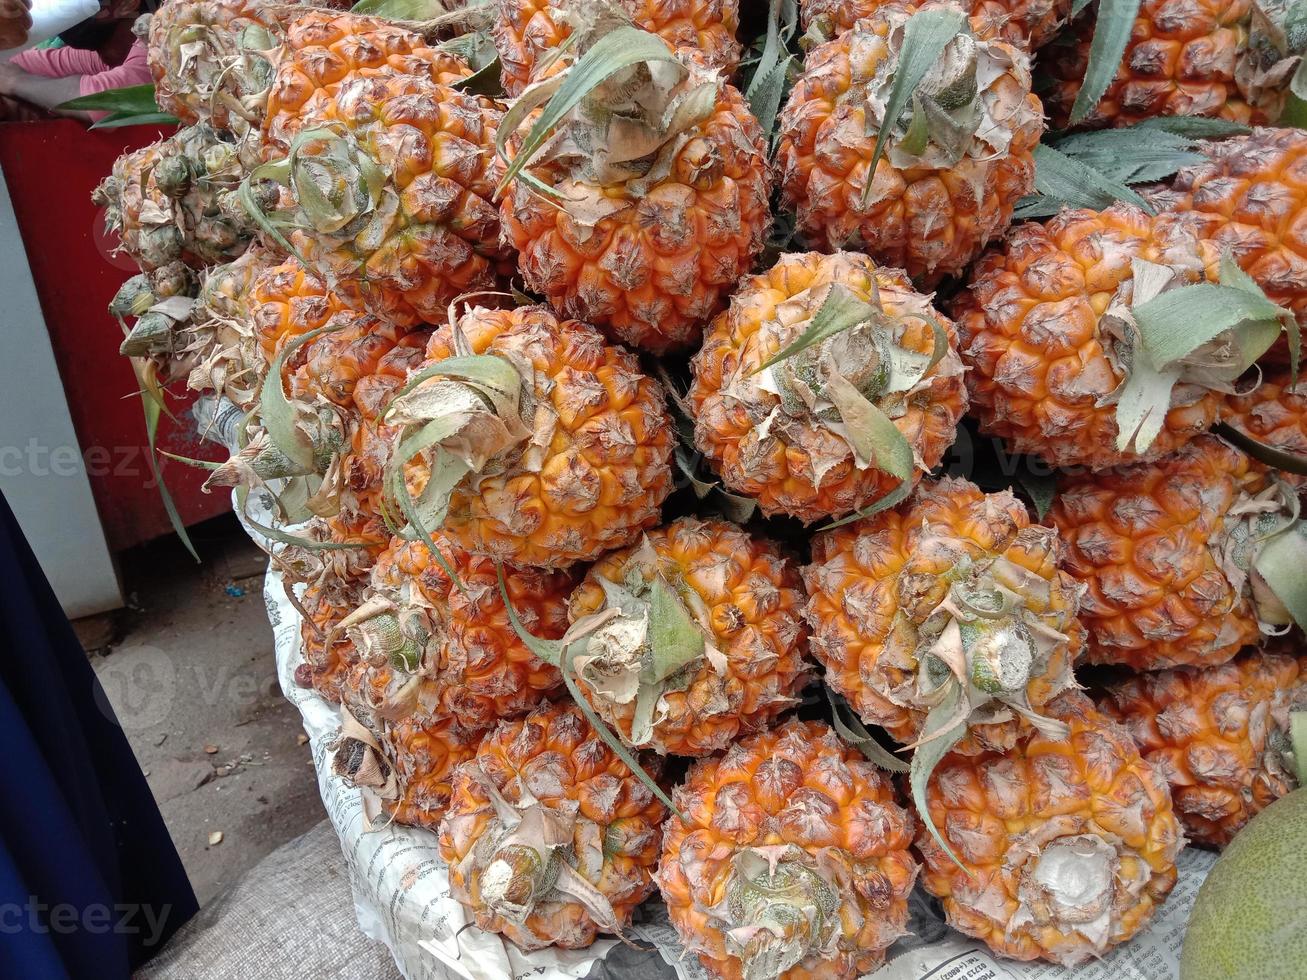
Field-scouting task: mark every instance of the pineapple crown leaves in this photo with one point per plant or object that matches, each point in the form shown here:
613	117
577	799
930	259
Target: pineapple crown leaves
1093	170
944	728
155	329
809	372
1274	555
530	855
1204	333
130	105
735	508
849	727
632	111
1115	22
152	404
927	35
562	653
780	910
771	72
337	185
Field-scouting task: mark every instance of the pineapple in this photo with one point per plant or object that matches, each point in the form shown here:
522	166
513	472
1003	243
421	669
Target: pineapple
1168	551
555	447
1232	59
328	651
549	837
943	187
165	201
691	638
530	34
1250	196
1067	845
208	58
1050	336
459	635
792	860
1275	414
949	607
325	51
645	239
387	194
1218	734
792	436
426	754
1024	24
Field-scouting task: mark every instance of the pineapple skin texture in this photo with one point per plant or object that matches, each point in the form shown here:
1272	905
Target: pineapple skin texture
1217	734
651	273
872	584
485	672
526	31
755	600
1034	346
1180	61
1274	413
1250	196
426	752
607	467
994	807
554	756
929	222
324	51
779	471
1140	537
1025	24
435	146
797	784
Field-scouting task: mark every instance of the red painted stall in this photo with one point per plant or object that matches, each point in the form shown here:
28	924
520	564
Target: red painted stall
51	169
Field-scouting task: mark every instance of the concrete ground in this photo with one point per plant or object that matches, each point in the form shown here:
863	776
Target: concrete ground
191	676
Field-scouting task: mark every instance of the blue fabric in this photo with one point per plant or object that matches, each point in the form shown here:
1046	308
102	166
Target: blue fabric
90	883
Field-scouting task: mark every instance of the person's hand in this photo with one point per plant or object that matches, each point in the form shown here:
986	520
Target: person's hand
9	74
15	22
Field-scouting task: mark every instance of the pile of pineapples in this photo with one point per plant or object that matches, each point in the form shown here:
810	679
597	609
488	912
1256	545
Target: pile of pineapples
590	476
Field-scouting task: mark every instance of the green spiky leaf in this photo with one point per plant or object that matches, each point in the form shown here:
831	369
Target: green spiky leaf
850	728
153	407
553	652
278	413
1194	127
925	36
116	120
135	99
841	310
1041	488
1177	322
1130	156
615	51
891	499
675	639
767	87
1072	183
945	726
1112	29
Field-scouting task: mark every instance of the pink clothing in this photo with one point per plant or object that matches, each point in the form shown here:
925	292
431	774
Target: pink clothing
96	76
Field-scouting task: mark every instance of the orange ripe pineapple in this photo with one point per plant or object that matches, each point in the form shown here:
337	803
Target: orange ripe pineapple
387	193
952	591
426	754
549	837
1025	24
1233	59
530	34
792	861
646	239
564	457
1218	734
1047	330
1166	549
939	192
1274	413
720	614
459	635
327	650
1250	196
1067	845
780	434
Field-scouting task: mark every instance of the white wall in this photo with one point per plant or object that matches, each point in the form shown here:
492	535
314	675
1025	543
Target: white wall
42	473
